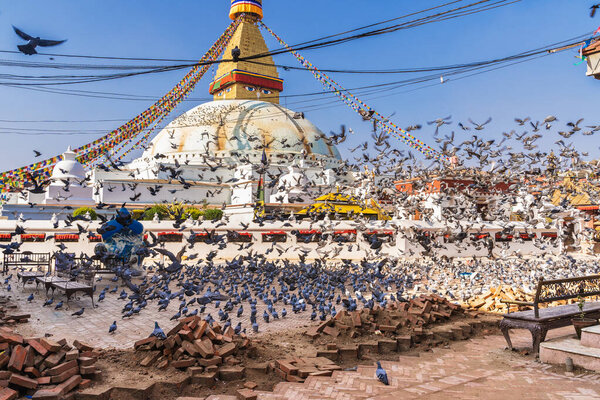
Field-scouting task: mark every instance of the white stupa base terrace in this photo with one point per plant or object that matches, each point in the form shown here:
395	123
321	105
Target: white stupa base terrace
397	243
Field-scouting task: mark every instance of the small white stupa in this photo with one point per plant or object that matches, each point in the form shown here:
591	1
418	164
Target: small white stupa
68	183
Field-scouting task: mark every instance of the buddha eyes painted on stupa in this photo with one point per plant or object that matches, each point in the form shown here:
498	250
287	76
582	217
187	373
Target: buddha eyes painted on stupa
250	88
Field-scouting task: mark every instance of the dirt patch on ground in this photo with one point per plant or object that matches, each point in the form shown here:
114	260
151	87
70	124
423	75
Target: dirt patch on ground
121	369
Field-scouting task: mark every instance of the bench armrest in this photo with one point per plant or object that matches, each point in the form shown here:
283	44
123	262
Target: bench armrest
521	303
517	302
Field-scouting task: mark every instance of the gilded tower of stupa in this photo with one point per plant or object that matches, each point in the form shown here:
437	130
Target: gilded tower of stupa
255	79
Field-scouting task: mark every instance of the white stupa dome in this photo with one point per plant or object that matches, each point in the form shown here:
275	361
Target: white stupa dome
68	168
225	128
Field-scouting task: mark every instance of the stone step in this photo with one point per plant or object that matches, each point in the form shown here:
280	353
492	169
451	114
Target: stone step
590	336
557	350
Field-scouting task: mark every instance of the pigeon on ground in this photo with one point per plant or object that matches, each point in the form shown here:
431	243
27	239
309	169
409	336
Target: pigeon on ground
79	313
381	374
158	332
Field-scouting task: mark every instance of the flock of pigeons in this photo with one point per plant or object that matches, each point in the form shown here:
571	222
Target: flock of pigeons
318	289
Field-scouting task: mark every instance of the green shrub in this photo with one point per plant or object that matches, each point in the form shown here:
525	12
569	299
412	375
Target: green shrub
84	210
137	214
159	209
193	213
213	214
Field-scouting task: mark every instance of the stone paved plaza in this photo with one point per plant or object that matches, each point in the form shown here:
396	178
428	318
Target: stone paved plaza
93	325
477	368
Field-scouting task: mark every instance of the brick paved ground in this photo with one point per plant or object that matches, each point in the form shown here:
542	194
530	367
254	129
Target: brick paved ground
93	325
478	368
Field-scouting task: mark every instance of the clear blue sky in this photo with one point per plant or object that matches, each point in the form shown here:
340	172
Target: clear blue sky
186	28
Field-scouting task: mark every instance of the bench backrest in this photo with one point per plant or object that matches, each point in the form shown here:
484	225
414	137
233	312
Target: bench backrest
568	288
27	259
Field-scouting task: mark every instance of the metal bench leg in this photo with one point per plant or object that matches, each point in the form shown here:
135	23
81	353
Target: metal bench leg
505	331
538	334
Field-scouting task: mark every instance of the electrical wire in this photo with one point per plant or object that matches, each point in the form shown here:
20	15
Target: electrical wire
469	9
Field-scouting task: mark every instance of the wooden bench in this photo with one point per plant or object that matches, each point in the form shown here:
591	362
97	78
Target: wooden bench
72	287
540	321
29	276
37	261
48	280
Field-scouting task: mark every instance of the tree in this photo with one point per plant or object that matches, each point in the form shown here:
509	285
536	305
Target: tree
84	210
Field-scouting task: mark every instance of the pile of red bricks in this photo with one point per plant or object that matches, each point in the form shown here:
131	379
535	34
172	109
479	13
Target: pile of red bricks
299	368
207	352
408	316
14	318
43	368
6	317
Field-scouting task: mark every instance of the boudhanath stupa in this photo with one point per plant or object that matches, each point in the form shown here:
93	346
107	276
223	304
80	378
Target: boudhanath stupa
213	153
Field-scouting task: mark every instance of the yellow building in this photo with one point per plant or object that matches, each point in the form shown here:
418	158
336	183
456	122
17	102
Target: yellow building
341	206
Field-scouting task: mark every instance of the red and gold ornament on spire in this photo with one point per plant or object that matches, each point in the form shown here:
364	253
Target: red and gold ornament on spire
248	7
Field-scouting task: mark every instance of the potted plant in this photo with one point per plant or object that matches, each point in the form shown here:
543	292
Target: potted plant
581	321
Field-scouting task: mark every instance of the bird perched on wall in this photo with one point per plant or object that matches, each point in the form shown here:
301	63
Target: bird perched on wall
34	42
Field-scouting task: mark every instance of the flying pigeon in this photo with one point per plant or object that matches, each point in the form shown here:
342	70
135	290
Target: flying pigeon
34	42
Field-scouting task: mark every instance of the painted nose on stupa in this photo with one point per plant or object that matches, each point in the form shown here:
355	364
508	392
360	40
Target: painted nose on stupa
249	7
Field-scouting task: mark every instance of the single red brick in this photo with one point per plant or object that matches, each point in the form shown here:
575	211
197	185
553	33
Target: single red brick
82	346
250	385
89	370
65	375
205	347
142	342
186	362
32	371
90	354
37	346
356	321
50	345
11	338
190	348
247	394
146	362
8	394
53	359
69	384
331	331
231	373
23	381
47	394
205	362
226	350
44	380
59	369
72	355
194	371
200	329
288	368
205	379
17	358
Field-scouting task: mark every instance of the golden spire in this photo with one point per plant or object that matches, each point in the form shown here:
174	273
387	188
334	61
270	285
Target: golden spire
255	79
